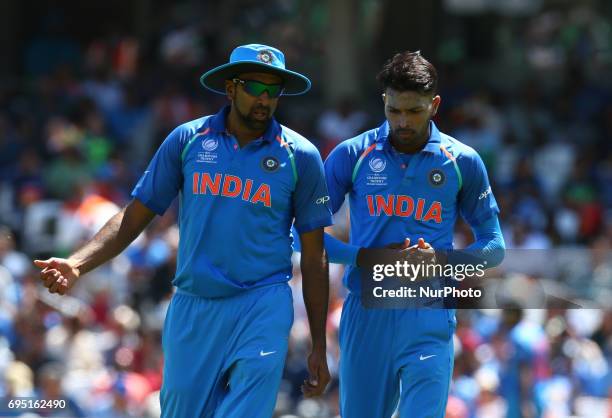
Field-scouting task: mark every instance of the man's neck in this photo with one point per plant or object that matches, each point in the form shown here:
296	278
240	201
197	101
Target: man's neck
243	133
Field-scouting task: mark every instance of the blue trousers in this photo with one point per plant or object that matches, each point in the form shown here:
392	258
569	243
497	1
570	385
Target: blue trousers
394	355
224	358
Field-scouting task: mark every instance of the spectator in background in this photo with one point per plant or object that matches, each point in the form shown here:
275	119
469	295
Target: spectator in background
523	351
339	123
50	384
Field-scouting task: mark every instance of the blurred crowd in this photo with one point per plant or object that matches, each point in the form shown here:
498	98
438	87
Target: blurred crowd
79	127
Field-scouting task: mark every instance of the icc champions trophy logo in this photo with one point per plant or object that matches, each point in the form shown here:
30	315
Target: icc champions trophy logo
210	144
377	164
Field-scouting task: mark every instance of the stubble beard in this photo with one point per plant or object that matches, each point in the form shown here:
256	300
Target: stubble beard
251	122
418	139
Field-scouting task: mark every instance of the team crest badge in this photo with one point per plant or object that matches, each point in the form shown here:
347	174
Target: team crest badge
210	144
270	164
377	165
436	177
265	56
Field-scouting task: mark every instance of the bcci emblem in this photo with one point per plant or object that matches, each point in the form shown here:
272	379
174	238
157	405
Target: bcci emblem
436	177
265	56
270	164
377	164
210	144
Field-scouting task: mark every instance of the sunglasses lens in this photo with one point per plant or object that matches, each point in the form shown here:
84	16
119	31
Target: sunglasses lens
255	88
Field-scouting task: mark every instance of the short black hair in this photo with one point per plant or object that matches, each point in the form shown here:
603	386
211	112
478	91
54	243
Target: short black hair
409	71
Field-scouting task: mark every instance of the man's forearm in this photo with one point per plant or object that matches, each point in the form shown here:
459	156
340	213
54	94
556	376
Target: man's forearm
315	288
488	249
111	240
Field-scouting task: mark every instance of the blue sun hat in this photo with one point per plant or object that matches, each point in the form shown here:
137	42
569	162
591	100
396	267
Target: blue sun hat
254	58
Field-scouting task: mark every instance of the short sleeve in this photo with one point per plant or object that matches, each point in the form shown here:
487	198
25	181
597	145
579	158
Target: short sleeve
161	181
476	200
310	199
338	172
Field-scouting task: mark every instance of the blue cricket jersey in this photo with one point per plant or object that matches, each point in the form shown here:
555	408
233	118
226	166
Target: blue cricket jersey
393	196
237	205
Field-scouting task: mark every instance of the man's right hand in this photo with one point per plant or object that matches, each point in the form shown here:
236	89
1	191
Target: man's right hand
392	253
58	274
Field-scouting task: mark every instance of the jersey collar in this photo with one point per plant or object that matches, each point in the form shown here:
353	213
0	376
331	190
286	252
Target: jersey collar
433	144
217	124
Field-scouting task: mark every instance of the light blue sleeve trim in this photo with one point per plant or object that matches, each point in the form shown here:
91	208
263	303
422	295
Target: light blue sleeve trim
489	247
340	252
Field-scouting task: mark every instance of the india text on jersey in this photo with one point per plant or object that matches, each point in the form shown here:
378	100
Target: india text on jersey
402	205
228	185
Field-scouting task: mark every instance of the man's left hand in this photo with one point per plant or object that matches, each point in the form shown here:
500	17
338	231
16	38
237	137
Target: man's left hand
319	374
421	252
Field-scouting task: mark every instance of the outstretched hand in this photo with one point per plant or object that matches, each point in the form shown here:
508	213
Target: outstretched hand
57	274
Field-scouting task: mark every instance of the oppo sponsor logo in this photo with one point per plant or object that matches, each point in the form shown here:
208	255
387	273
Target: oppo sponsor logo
322	200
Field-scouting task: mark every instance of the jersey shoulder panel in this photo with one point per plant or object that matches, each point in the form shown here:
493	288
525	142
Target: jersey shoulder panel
355	147
457	148
296	141
187	132
360	143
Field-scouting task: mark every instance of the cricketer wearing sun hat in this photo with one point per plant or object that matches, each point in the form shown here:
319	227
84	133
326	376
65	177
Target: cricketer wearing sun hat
242	180
228	325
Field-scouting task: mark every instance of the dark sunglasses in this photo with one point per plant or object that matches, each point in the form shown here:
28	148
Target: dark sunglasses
257	88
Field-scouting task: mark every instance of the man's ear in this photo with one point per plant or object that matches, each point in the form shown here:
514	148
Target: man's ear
435	104
230	89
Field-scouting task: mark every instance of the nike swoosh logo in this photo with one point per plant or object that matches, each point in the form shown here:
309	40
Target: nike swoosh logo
426	357
266	353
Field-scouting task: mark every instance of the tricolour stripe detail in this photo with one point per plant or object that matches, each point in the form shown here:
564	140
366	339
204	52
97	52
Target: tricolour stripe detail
454	160
291	158
193	138
360	160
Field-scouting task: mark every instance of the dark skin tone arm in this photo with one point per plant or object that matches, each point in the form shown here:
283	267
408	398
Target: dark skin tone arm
60	274
315	288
